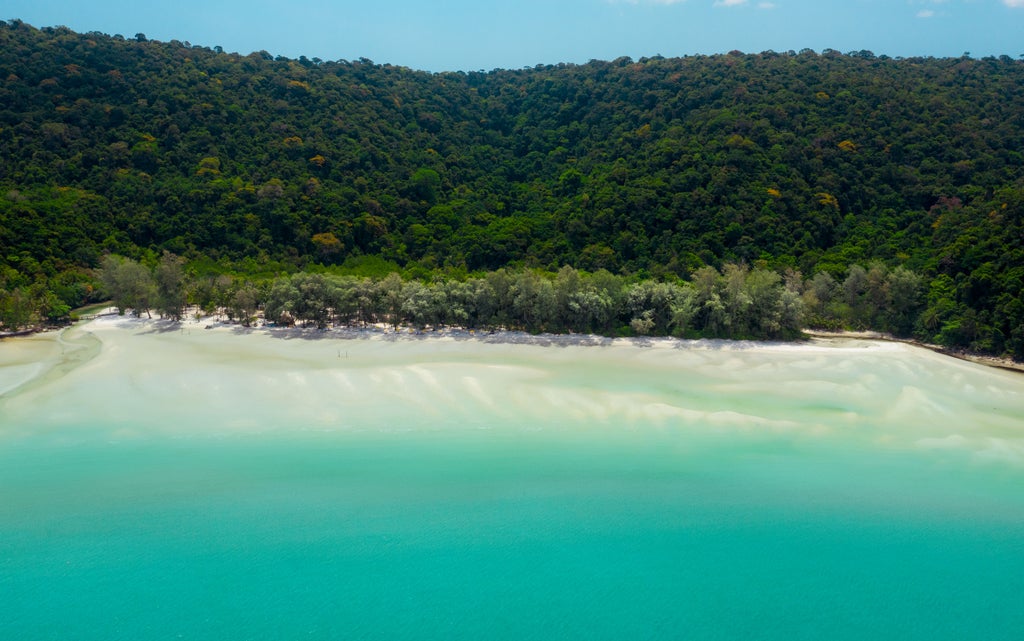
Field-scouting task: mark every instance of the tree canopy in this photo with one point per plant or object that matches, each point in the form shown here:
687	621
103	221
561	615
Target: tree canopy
655	168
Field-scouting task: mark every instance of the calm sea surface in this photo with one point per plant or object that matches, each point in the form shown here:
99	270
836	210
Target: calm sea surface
204	486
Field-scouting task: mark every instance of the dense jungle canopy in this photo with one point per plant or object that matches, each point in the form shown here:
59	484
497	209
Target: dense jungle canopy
260	167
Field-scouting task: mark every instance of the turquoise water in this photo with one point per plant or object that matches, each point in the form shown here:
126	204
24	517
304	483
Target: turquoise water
498	527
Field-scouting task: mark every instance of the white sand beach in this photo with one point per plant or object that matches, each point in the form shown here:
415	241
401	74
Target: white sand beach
212	378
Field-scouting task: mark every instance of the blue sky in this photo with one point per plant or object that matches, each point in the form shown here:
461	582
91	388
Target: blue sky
446	35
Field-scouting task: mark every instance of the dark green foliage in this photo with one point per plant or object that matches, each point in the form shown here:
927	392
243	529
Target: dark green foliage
657	167
16	309
169	277
754	304
129	284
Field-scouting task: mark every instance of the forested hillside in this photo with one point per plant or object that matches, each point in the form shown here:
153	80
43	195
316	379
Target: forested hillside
652	169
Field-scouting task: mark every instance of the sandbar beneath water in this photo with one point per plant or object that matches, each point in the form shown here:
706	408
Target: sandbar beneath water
208	378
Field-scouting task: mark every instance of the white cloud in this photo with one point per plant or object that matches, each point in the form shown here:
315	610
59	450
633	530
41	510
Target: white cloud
925	13
766	5
729	3
1017	4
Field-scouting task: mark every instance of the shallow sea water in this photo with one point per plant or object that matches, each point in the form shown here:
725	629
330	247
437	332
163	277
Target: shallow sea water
207	485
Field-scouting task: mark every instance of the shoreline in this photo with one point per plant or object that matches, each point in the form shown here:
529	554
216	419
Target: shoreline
384	332
971	357
219	378
72	346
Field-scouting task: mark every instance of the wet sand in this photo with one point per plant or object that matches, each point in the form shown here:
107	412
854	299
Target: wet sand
216	377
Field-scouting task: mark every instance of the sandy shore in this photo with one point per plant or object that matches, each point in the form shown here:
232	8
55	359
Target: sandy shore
213	350
980	359
31	360
109	316
384	332
208	377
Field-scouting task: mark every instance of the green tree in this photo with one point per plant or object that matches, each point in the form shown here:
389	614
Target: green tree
16	309
904	304
170	286
392	298
244	303
129	284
